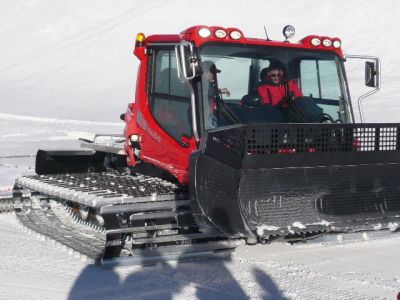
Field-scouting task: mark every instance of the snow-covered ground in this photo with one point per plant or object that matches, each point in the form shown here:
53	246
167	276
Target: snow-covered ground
67	71
34	268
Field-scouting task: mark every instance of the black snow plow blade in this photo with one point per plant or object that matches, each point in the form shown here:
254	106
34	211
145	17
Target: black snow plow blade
299	180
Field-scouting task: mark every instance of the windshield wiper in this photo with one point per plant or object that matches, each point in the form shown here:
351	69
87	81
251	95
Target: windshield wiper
229	114
294	111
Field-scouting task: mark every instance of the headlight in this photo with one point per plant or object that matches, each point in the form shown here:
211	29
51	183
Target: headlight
315	41
288	31
220	33
235	35
337	43
204	32
327	42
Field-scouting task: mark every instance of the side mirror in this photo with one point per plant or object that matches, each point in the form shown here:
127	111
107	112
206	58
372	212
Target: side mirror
372	77
371	74
187	61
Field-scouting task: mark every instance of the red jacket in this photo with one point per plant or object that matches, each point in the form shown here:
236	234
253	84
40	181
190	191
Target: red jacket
273	94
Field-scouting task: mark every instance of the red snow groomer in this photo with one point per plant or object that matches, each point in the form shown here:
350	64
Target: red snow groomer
228	139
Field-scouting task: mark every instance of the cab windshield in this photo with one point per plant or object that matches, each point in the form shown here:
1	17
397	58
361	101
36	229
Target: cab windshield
271	85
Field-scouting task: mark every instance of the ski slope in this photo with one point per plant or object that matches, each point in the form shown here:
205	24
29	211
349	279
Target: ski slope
32	267
67	71
73	60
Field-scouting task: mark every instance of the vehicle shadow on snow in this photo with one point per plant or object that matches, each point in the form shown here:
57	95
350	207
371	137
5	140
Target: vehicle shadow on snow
203	279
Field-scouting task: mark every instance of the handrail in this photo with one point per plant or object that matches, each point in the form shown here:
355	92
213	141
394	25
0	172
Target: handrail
182	75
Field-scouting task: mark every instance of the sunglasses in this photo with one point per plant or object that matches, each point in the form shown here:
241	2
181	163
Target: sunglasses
275	75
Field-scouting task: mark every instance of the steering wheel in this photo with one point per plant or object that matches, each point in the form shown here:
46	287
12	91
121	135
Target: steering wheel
251	100
325	118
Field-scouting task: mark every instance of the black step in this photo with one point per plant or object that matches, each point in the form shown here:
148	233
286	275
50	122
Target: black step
152	256
143	228
158	215
145	206
174	238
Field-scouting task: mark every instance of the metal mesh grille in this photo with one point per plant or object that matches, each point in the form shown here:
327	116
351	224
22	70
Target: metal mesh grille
300	138
109	185
227	144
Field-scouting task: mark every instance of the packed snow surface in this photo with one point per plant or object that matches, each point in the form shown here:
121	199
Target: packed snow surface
32	267
67	71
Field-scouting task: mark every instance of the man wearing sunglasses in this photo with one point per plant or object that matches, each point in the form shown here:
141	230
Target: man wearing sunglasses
273	89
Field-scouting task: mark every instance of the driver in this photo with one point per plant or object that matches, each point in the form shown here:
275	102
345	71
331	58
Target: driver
273	90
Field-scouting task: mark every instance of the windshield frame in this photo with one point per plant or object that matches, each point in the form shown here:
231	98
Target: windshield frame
339	62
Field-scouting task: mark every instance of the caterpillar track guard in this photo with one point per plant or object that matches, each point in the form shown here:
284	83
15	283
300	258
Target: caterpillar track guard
209	158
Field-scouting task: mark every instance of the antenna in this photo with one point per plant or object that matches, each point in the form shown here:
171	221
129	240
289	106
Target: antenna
266	33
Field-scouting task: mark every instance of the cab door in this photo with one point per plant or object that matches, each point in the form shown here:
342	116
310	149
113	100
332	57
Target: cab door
171	143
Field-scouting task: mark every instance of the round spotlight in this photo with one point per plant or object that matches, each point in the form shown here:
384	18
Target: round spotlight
315	41
288	31
337	43
220	33
235	35
204	32
327	42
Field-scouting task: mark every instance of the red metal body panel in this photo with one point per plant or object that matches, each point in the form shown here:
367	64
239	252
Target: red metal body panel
156	146
164	38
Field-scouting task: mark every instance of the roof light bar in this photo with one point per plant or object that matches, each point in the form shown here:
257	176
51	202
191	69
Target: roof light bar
322	41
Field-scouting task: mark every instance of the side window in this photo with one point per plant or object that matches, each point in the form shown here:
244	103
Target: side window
309	78
329	80
320	79
170	98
